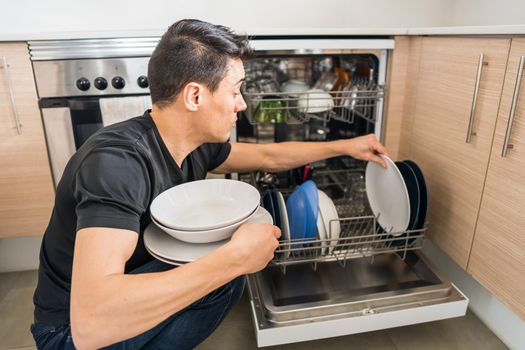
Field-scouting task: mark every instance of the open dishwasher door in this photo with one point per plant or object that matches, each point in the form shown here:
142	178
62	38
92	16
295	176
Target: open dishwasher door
361	296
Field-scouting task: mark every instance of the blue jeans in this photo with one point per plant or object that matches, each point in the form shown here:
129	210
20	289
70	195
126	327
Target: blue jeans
183	330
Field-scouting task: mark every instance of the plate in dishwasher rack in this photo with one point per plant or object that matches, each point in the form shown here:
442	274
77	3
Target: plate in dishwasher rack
332	225
285	229
388	196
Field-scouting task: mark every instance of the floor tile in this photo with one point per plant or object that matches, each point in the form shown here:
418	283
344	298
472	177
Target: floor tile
17	315
27	279
461	333
7	281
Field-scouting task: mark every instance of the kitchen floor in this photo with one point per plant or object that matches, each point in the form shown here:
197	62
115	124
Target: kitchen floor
236	332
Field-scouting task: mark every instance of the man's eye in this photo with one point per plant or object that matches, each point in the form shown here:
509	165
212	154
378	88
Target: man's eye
236	93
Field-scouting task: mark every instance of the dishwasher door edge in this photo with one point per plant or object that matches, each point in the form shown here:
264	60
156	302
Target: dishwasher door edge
270	333
366	323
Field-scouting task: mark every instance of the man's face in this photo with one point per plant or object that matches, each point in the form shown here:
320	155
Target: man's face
219	112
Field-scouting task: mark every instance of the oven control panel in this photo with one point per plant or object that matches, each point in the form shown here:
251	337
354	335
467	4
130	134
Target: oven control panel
92	77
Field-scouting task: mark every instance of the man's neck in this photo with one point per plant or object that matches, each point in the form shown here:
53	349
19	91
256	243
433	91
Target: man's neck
176	131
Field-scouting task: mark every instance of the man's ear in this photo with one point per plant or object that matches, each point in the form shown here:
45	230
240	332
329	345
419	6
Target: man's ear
192	95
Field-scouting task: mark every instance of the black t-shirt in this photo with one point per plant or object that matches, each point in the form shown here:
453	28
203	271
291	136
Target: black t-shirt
110	182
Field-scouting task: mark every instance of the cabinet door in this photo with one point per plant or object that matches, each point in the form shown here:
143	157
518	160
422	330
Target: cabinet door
25	178
498	254
455	170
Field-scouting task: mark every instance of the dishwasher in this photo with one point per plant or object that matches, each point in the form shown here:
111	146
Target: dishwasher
369	279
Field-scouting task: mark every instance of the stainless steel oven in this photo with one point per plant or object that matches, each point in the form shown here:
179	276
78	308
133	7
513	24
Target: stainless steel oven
86	84
370	279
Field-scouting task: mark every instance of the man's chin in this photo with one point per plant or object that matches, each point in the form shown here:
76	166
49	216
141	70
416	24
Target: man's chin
220	139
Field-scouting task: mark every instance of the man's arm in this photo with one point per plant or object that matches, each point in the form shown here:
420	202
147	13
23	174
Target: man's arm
108	306
275	157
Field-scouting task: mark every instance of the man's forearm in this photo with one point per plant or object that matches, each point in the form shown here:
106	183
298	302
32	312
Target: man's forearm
118	308
288	155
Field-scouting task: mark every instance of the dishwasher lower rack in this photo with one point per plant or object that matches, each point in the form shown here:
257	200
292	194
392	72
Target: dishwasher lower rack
306	304
357	237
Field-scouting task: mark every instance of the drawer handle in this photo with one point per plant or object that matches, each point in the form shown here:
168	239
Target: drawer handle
12	95
515	97
475	98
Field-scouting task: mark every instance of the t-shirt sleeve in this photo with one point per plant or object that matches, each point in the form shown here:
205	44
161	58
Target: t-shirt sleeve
217	154
111	189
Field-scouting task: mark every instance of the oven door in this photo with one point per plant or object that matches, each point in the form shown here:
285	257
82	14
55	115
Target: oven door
69	122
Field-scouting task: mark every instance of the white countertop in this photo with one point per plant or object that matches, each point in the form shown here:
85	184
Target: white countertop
466	30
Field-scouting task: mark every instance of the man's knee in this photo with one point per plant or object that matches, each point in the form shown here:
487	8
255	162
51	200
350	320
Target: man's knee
229	293
237	286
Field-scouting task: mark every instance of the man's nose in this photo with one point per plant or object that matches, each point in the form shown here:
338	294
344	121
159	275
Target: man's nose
241	104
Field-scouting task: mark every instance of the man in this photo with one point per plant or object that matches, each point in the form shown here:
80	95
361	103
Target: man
98	287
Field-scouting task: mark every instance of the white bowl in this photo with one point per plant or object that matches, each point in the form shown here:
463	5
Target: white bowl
315	101
205	204
205	236
160	244
294	86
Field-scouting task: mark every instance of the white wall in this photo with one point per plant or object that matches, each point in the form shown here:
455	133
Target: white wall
31	16
19	254
24	17
487	12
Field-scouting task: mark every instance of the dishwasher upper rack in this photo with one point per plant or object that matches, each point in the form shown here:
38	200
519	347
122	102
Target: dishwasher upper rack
293	108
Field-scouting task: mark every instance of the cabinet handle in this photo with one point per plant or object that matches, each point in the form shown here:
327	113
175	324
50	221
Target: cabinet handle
12	95
515	97
475	97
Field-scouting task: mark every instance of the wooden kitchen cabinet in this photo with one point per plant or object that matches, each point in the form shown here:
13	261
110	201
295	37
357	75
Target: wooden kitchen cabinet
497	259
441	108
26	187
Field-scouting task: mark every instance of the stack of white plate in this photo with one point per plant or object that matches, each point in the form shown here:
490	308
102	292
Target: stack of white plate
192	219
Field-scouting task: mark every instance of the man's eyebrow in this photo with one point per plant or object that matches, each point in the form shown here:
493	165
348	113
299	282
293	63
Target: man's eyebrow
241	80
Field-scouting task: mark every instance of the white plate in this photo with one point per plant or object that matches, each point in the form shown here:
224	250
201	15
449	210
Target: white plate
323	236
330	218
205	204
285	229
167	261
206	236
388	196
163	245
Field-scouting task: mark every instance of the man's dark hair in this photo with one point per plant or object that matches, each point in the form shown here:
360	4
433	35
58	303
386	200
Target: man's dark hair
192	50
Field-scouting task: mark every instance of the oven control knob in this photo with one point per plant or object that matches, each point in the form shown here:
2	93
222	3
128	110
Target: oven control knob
142	81
118	82
101	83
83	84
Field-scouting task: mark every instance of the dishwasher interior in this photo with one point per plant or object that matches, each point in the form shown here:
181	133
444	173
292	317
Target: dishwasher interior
367	279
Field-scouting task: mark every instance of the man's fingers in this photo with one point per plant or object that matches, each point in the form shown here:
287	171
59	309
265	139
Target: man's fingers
276	232
379	160
379	148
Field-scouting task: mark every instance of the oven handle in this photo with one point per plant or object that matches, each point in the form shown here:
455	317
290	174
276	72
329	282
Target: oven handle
11	95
